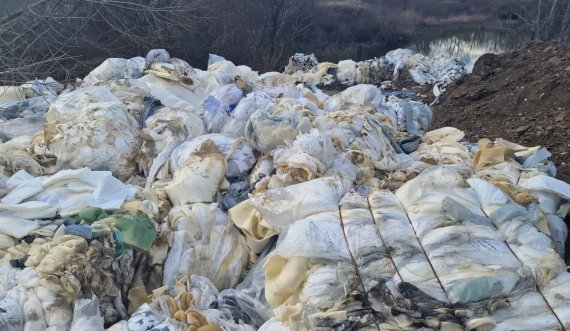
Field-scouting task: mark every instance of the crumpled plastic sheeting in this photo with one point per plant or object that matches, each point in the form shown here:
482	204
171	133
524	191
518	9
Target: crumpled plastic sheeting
267	131
48	88
346	72
165	130
193	303
203	232
23	117
218	105
422	114
277	85
363	136
59	272
248	220
439	71
281	207
199	177
132	94
115	69
90	127
66	192
235	125
361	95
238	153
301	62
308	157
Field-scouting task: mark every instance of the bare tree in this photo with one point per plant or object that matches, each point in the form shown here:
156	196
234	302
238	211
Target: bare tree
67	37
267	34
547	19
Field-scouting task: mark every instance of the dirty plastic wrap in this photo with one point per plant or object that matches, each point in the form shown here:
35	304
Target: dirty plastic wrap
235	125
47	88
66	192
133	94
199	176
280	207
90	127
166	129
267	131
115	69
23	118
308	157
475	276
363	137
346	72
218	105
203	232
360	95
239	154
438	72
301	62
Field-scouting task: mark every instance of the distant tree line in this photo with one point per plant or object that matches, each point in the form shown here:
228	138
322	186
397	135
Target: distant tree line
68	38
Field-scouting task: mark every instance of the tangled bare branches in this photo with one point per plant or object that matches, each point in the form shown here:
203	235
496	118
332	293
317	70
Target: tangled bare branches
67	37
547	19
270	30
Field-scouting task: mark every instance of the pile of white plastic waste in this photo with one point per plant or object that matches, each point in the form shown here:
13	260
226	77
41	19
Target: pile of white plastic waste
152	195
438	72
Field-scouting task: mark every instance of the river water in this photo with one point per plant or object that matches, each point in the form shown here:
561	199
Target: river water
469	46
466	46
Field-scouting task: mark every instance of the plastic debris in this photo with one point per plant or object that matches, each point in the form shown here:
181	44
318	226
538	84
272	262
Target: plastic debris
158	196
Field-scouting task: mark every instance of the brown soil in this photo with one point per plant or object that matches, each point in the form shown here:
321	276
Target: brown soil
522	96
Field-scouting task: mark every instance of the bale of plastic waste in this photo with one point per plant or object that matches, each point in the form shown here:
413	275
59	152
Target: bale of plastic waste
301	62
203	232
198	178
266	131
238	153
115	69
48	87
346	72
90	127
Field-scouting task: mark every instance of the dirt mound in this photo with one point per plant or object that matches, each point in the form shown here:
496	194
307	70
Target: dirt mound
522	96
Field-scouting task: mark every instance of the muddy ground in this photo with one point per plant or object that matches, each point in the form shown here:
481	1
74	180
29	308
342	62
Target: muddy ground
522	96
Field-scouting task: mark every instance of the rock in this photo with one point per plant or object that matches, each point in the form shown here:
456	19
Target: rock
521	129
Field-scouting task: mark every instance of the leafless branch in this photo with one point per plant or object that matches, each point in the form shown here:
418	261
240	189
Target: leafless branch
69	36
